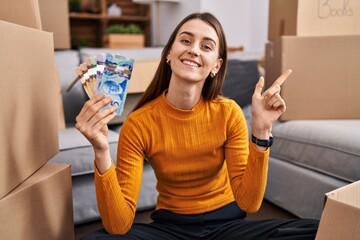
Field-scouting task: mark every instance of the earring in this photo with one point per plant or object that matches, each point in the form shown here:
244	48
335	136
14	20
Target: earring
168	61
212	74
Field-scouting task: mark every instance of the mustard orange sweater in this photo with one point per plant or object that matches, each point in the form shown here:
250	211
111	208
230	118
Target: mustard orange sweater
201	158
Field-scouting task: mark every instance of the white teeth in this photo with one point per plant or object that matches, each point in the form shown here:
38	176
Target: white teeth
191	63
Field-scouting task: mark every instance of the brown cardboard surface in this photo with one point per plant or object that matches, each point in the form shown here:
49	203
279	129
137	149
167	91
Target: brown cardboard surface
126	40
61	115
313	18
325	81
142	75
55	19
28	103
341	216
41	207
26	13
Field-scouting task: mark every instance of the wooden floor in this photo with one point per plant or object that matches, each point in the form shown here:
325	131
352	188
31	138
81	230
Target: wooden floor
267	211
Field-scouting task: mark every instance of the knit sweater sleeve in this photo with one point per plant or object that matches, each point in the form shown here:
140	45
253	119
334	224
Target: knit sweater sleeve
117	190
247	166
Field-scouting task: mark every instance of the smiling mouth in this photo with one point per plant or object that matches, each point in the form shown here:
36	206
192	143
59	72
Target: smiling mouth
190	63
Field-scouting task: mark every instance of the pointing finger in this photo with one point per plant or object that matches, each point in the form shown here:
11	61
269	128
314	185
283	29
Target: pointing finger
283	77
259	87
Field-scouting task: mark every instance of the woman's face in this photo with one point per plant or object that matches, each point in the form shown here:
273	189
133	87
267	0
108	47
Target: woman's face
194	53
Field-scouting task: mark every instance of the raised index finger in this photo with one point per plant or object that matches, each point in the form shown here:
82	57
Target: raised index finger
282	78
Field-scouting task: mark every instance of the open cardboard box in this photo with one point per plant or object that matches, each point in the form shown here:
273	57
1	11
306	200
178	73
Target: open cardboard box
341	216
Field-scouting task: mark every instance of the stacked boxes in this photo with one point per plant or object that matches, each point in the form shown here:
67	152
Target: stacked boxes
323	53
319	40
35	196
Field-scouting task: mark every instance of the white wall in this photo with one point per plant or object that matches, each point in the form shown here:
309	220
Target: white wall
245	22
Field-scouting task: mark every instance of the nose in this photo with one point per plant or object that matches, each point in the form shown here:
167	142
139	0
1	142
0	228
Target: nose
194	50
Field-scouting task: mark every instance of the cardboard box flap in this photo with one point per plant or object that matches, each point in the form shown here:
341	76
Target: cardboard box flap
341	216
349	194
26	13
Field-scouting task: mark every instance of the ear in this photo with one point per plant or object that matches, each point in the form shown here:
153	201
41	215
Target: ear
218	65
168	56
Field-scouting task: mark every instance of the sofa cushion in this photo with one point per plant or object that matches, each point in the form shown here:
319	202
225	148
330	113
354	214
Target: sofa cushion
240	80
327	146
139	55
297	189
76	150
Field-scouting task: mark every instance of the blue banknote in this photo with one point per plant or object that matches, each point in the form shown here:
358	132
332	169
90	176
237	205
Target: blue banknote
113	79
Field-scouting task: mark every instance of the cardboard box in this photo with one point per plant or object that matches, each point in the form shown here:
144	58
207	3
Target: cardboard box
28	103
61	115
26	13
341	216
325	81
143	73
126	40
313	18
55	19
41	207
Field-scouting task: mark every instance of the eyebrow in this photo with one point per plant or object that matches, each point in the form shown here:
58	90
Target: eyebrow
193	35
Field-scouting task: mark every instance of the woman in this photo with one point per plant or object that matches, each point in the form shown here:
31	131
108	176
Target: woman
186	130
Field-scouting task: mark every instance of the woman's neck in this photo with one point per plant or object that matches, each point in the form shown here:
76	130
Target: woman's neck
183	95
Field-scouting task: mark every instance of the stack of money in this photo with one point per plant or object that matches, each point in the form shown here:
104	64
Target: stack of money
107	73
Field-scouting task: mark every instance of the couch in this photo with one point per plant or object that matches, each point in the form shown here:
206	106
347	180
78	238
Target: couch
308	158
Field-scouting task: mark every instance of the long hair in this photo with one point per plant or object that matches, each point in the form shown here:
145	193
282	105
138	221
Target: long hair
161	80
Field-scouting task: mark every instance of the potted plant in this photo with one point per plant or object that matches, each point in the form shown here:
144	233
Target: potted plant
129	36
74	5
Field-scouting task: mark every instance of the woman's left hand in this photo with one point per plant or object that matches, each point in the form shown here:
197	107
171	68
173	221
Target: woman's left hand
267	107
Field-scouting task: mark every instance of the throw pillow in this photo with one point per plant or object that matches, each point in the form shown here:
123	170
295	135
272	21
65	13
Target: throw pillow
240	80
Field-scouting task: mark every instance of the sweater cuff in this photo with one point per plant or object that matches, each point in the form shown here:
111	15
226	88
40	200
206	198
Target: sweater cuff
264	155
106	174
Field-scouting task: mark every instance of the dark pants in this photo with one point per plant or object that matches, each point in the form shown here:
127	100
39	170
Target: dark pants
225	223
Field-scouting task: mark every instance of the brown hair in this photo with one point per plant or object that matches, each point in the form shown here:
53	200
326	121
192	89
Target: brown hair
161	80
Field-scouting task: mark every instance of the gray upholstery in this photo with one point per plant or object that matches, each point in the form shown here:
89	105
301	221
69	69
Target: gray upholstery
310	158
76	150
298	190
137	54
240	81
330	147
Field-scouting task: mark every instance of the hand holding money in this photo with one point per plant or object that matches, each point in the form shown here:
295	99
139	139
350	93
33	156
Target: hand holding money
107	73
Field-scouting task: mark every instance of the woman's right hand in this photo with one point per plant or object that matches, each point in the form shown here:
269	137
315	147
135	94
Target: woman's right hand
92	123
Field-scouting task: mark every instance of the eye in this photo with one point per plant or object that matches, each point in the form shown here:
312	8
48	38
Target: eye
207	47
185	41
